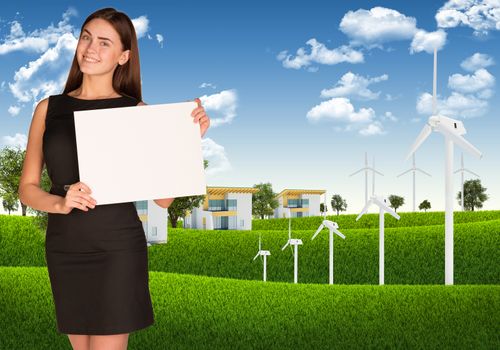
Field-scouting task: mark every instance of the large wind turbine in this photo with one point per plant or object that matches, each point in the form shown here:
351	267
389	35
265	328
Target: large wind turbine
264	254
382	208
462	170
332	227
452	130
366	168
295	251
414	169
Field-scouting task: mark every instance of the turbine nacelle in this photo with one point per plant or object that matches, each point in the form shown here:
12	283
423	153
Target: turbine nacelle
449	123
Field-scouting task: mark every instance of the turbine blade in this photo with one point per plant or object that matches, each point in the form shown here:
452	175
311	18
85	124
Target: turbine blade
286	245
365	209
318	231
375	171
423	172
459	140
386	208
426	131
406	172
360	170
470	172
339	233
257	255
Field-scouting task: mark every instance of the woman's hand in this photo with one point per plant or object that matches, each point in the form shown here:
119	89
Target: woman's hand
77	199
200	116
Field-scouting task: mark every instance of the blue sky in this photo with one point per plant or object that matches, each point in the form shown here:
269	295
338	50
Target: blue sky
296	92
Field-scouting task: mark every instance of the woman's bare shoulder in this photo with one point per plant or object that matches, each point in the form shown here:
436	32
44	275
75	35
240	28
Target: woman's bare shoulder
141	103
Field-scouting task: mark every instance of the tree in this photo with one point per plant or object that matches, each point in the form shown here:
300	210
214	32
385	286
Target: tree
264	202
9	203
181	205
475	195
322	208
338	203
396	201
424	205
11	166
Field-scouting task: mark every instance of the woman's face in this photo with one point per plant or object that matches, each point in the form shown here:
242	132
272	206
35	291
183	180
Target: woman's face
99	48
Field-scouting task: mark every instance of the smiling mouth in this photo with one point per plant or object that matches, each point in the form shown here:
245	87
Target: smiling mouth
90	60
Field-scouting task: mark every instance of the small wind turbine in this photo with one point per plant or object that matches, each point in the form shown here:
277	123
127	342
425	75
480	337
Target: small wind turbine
452	131
366	168
414	169
382	207
263	254
295	251
332	227
373	176
462	170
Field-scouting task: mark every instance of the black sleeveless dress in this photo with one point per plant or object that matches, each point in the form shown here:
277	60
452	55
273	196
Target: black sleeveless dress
97	260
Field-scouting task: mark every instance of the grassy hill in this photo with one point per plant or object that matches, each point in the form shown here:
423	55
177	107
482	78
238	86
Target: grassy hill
193	312
413	254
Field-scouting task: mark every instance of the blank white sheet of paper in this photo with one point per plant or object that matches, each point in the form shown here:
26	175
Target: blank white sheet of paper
128	154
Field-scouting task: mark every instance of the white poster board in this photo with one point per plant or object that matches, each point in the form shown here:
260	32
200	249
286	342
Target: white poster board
128	154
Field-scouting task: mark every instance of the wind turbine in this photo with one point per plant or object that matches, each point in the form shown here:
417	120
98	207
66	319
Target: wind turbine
373	177
295	251
366	168
462	170
332	227
383	207
452	131
264	254
414	169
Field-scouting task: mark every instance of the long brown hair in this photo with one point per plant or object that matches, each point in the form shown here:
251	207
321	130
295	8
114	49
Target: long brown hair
126	77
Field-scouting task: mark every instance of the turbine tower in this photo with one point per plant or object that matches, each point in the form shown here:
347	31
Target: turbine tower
366	168
295	251
414	169
263	254
383	207
452	130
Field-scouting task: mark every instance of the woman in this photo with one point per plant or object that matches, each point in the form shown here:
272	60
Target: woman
96	255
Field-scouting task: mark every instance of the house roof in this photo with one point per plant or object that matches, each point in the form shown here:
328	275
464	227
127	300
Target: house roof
224	190
288	192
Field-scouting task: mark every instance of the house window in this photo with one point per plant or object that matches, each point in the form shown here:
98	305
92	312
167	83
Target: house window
242	223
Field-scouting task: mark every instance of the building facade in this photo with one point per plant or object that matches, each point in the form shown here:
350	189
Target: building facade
154	221
302	203
224	208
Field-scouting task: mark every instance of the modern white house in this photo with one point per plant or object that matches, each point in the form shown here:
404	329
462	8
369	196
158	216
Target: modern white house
224	208
301	203
154	221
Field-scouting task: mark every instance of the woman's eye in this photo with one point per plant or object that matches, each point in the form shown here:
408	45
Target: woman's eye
104	43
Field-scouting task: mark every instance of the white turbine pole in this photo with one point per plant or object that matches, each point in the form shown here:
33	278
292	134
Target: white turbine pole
373	178
295	264
434	84
448	222
366	177
414	200
381	247
331	257
265	268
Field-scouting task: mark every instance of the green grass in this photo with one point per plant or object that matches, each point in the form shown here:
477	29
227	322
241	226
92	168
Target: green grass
193	312
413	255
348	221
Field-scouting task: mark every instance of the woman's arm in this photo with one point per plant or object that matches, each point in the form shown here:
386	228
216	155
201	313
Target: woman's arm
163	202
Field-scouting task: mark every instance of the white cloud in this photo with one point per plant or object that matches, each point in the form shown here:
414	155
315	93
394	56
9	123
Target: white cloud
18	140
141	25
427	41
480	80
216	156
206	85
223	103
159	38
39	40
30	82
371	129
14	110
389	116
477	61
456	105
376	26
320	54
339	109
354	85
481	15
